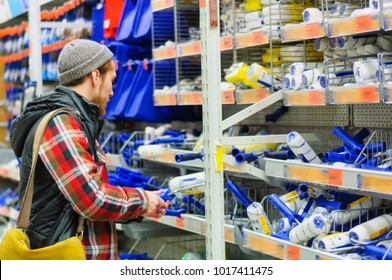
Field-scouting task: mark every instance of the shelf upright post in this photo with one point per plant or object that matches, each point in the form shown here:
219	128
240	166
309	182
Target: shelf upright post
212	118
35	55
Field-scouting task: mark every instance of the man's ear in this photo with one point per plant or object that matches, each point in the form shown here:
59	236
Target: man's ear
95	76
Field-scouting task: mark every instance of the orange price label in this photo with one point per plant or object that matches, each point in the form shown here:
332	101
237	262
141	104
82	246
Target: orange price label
316	97
196	96
366	23
369	94
252	39
197	47
186	49
335	177
314	30
293	252
259	37
180	222
170	52
226	43
228	97
165	99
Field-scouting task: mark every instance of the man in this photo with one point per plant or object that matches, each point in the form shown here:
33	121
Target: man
71	176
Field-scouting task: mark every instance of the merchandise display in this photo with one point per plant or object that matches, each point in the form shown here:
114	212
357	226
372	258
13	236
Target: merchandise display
305	87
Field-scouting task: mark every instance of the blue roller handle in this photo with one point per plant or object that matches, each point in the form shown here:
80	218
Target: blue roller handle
166	195
236	151
362	134
164	140
190	200
273	117
290	214
348	140
172	132
334	157
185	157
378	251
284	154
331	204
303	191
249	157
175	212
127	256
238	193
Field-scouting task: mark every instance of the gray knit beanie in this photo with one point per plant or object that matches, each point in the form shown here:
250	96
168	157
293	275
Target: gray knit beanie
79	58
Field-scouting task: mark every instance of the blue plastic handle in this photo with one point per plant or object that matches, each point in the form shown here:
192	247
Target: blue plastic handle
249	157
290	214
283	154
238	193
164	140
185	157
348	140
175	212
331	204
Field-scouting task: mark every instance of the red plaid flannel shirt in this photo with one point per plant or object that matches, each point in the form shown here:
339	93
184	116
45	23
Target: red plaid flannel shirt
64	151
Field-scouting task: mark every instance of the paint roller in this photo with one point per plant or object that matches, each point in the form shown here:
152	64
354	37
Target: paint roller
254	210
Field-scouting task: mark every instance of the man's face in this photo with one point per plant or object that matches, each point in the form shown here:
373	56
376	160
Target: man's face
105	89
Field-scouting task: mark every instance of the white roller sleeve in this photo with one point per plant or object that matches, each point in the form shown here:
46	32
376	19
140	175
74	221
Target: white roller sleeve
148	151
301	148
365	71
186	181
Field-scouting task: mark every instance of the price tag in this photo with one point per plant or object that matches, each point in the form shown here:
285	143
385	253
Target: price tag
164	53
165	100
347	26
226	43
335	177
351	95
252	39
305	98
293	252
190	48
197	47
228	97
157	5
302	31
251	95
180	222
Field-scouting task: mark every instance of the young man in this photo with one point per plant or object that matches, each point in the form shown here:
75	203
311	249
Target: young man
71	177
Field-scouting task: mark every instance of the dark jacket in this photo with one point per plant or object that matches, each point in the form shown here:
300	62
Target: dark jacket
52	218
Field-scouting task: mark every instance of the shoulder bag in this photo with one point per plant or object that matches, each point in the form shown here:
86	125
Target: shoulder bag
16	244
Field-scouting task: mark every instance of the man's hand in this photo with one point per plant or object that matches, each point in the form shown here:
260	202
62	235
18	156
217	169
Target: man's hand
156	206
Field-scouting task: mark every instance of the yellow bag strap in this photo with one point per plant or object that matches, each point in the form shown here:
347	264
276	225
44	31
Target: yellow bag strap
25	210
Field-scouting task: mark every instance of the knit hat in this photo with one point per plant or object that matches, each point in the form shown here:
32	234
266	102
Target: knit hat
81	57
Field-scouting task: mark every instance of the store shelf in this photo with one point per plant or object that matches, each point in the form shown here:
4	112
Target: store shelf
165	99
195	98
302	31
304	98
194	224
363	181
250	96
164	53
282	249
254	38
351	26
354	95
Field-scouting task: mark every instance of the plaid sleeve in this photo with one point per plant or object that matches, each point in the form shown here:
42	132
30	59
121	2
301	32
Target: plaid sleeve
64	151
